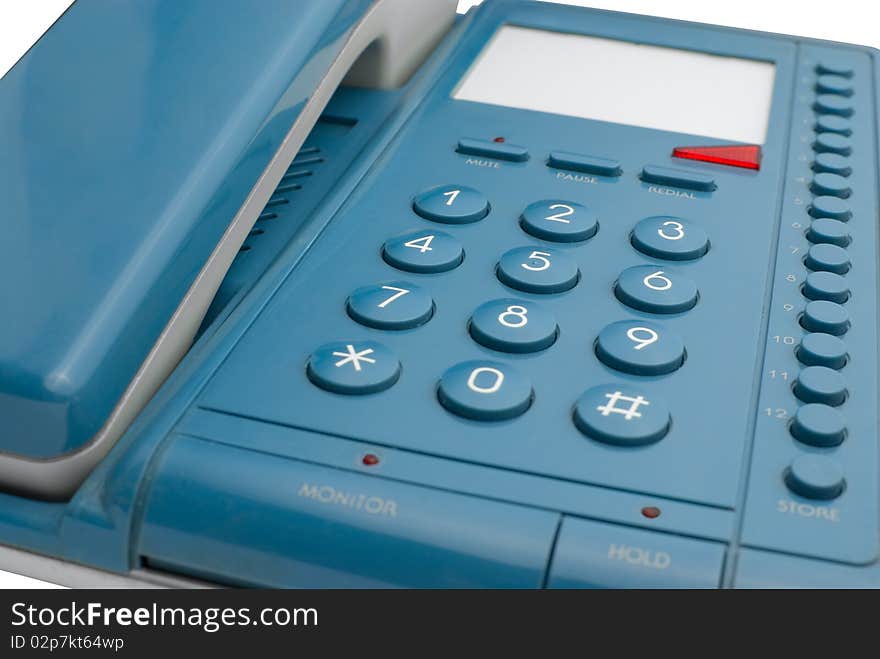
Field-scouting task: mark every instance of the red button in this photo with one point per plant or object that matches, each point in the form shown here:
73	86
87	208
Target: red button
747	156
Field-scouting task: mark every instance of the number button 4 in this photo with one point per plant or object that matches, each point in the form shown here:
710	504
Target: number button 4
511	325
670	238
394	306
537	270
559	221
451	204
423	252
640	347
654	289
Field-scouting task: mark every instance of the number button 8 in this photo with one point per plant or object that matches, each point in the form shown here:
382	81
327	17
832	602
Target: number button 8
511	325
655	290
538	271
670	238
559	221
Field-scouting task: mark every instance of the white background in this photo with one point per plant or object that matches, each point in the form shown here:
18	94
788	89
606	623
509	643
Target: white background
852	21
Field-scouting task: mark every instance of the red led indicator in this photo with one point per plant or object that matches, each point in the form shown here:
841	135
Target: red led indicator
747	156
370	459
498	139
651	512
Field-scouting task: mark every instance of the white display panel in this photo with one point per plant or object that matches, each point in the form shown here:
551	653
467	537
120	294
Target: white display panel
22	24
727	98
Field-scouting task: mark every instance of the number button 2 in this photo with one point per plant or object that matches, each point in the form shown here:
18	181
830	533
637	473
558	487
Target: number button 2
640	347
538	270
451	204
559	221
511	325
394	306
654	289
670	238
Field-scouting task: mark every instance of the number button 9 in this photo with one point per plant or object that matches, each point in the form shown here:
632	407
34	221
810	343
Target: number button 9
640	347
559	221
451	204
537	270
511	325
653	289
670	238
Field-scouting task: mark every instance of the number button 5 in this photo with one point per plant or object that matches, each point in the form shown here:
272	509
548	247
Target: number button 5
512	325
640	347
670	238
394	306
653	289
559	221
538	271
451	204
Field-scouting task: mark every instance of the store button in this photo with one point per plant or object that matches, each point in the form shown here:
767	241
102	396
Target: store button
679	178
486	149
598	555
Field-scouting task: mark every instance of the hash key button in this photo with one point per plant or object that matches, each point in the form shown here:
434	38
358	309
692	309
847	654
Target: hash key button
622	415
356	367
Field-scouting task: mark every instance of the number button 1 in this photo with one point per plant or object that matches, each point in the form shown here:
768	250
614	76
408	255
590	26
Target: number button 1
640	347
451	204
511	325
653	289
559	221
394	306
670	238
538	270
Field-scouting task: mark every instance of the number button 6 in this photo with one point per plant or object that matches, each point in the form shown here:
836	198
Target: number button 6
670	238
537	270
640	347
559	221
653	289
511	325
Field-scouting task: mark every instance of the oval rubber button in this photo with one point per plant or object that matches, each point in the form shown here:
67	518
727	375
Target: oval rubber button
834	68
654	289
640	347
828	258
542	270
829	123
559	221
622	415
833	207
451	204
832	104
511	325
826	230
818	425
832	143
832	163
355	367
825	183
485	391
397	305
826	317
672	238
820	349
833	84
819	384
826	286
815	477
423	251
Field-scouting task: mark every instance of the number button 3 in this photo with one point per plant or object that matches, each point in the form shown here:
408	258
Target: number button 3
559	221
537	270
394	306
655	290
670	238
640	348
485	391
423	252
451	204
511	325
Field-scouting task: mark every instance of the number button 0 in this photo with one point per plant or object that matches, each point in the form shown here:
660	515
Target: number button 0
655	290
559	221
423	251
394	306
640	348
485	391
511	325
451	204
670	238
538	270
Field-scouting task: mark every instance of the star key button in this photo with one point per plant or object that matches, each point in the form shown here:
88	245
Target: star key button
353	367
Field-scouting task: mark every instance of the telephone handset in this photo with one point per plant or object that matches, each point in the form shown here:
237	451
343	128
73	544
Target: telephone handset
140	143
538	297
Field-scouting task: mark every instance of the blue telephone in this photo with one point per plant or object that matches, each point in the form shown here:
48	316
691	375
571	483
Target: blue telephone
354	294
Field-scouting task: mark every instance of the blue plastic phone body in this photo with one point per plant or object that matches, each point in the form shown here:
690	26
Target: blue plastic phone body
242	471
